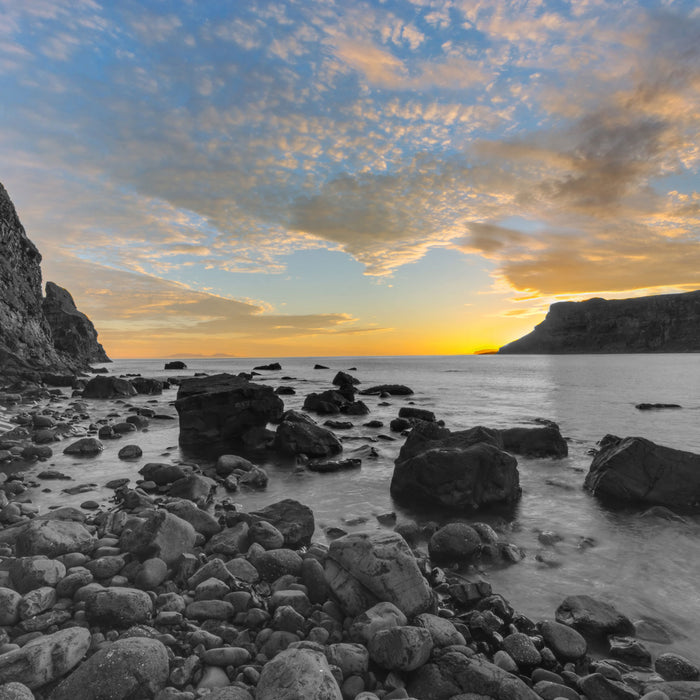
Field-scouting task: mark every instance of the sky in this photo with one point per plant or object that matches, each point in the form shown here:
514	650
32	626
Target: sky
341	177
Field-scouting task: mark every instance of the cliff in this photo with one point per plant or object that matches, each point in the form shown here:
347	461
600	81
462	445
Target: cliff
27	343
663	323
73	332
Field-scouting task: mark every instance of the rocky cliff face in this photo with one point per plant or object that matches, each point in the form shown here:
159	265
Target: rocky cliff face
664	323
73	332
27	345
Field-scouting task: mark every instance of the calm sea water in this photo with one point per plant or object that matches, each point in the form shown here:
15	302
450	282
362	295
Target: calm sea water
647	567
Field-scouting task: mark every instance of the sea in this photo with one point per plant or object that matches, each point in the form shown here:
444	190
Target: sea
648	567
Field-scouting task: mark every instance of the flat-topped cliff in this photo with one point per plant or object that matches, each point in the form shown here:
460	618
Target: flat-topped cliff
662	323
36	334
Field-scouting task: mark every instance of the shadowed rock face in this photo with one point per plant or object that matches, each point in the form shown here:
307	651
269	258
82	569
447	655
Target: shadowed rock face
27	341
663	323
73	332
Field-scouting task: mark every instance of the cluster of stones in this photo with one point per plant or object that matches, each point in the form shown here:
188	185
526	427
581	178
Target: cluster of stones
146	603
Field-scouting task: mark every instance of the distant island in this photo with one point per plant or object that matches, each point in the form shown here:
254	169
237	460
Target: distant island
660	323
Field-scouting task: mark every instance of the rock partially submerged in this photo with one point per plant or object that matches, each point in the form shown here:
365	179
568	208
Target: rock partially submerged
222	408
637	470
461	470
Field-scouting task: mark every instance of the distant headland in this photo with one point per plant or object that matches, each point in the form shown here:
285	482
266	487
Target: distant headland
661	323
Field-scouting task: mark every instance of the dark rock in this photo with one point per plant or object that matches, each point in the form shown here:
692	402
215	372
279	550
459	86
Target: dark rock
458	470
454	542
293	519
73	332
675	690
108	388
161	473
326	403
596	685
640	471
285	391
320	367
345	379
673	667
535	442
391	389
655	406
592	618
419	413
305	437
338	424
150	387
334	466
221	408
175	364
273	366
663	323
84	447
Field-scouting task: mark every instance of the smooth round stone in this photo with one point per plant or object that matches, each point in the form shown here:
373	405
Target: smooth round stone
655	695
209	610
503	660
454	542
213	677
564	641
401	648
555	691
266	535
225	656
9	606
151	574
673	667
15	691
211	589
243	569
29	573
522	650
130	452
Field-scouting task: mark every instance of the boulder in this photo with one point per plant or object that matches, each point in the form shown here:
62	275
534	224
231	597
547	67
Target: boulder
148	386
85	447
413	413
161	534
28	573
454	542
535	442
297	673
221	408
272	367
442	631
53	538
592	618
392	389
161	473
673	667
461	470
453	674
119	607
363	569
402	648
566	643
344	379
45	658
637	470
301	437
201	521
15	691
128	668
108	388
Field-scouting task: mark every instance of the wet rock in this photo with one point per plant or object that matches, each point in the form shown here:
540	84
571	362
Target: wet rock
535	442
175	364
161	534
655	406
45	658
326	467
305	437
201	521
228	464
272	367
53	538
221	408
120	607
453	674
108	388
566	643
630	651
454	542
162	473
638	470
442	631
673	667
401	648
598	686
363	569
15	691
592	618
85	447
293	519
147	385
277	562
458	470
266	535
297	673
128	668
390	389
130	452
9	606
521	649
28	573
193	487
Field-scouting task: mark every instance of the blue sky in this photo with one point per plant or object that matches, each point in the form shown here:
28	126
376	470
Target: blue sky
322	177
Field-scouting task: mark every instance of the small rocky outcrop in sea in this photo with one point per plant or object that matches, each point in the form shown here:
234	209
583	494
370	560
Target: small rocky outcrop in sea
464	469
175	364
638	470
222	408
661	323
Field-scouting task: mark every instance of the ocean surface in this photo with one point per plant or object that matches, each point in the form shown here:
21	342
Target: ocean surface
648	567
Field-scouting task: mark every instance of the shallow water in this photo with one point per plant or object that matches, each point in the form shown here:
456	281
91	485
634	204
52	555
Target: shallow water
647	567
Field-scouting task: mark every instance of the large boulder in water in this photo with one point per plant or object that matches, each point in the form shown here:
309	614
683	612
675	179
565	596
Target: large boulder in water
293	519
108	388
363	569
462	469
535	442
637	470
220	409
299	434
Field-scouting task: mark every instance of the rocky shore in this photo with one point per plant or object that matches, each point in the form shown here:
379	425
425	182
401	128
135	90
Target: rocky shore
174	589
